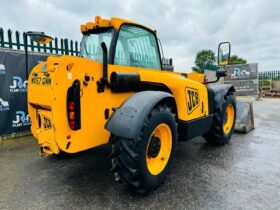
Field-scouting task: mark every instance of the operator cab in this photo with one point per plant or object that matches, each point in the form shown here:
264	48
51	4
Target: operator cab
128	43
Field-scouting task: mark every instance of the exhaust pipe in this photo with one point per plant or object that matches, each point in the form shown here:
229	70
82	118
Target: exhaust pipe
104	79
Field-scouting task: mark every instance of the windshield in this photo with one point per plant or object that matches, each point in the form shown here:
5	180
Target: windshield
91	44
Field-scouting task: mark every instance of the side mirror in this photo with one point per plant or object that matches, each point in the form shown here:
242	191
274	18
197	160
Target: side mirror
224	53
221	73
39	37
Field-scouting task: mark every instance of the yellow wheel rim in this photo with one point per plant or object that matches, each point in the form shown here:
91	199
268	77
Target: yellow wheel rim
228	119
157	157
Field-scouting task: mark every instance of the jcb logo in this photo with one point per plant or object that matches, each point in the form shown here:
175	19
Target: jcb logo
192	99
47	123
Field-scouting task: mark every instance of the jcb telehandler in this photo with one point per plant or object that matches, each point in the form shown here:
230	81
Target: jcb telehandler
117	92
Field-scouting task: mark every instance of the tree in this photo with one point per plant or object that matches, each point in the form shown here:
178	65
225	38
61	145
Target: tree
205	56
234	59
202	59
196	69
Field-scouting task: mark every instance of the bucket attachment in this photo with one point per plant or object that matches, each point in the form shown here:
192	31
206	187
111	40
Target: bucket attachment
244	117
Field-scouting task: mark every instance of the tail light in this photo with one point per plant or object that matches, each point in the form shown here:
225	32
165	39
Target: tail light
74	106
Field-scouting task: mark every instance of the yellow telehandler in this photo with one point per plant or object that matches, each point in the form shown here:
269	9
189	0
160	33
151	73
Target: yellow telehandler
117	91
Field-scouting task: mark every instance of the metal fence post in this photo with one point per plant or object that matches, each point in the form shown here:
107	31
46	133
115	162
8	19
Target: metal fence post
38	47
32	45
51	47
56	45
17	40
10	38
25	43
76	48
67	47
1	37
45	48
61	46
71	47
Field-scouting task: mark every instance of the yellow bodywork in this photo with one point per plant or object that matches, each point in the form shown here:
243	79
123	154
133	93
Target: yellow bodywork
50	81
48	99
100	23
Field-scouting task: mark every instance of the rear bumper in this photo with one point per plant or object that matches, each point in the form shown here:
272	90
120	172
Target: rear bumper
44	131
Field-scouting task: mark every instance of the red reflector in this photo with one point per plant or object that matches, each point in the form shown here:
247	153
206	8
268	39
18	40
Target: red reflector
72	124
71	105
71	115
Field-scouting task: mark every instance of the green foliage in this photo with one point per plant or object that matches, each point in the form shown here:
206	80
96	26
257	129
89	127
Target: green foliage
234	59
196	69
203	58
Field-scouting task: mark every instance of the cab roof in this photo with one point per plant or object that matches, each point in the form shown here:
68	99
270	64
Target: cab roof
103	23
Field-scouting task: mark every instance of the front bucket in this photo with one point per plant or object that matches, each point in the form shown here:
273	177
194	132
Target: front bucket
244	117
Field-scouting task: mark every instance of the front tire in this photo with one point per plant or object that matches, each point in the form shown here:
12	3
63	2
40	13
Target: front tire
223	122
143	163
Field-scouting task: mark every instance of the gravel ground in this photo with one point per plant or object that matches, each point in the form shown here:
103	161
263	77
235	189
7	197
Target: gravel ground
244	174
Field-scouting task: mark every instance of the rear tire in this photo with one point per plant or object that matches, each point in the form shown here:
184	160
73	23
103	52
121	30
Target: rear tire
223	122
143	163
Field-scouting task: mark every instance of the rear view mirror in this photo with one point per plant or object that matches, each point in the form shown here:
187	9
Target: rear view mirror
223	53
39	37
221	73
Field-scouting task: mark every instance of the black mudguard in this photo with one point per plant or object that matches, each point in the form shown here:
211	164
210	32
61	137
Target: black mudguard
216	95
127	120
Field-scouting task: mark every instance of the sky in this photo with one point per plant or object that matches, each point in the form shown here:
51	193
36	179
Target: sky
183	26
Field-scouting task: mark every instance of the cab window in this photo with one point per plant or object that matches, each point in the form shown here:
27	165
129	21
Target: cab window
91	44
137	47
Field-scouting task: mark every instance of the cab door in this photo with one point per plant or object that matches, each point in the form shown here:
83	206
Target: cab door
137	47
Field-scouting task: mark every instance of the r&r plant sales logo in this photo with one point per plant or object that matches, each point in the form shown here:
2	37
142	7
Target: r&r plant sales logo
2	69
4	105
18	85
21	119
240	74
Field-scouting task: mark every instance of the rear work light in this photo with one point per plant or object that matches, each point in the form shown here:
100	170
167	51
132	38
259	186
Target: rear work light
74	106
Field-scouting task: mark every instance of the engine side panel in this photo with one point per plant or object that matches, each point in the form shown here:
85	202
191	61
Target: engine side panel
191	97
